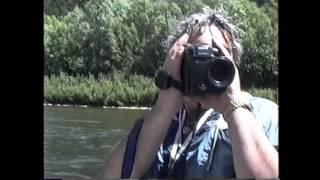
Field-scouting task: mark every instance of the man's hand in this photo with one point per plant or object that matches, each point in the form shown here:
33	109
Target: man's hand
174	58
172	98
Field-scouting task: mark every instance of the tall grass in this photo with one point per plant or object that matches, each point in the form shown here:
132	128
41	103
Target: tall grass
268	93
115	90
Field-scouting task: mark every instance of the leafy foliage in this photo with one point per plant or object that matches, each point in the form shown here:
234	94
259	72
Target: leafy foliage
97	38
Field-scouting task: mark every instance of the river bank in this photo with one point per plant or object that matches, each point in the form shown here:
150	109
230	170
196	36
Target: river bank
115	91
103	107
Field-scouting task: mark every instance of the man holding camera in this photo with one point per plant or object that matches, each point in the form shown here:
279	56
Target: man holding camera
233	134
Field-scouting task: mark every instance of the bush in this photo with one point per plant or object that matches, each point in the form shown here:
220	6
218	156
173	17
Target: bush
105	36
60	8
259	67
268	93
116	90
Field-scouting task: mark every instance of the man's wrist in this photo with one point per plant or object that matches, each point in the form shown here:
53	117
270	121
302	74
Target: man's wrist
169	99
237	103
164	80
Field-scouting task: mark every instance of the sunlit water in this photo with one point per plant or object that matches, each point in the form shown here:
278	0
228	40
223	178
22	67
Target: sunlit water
77	141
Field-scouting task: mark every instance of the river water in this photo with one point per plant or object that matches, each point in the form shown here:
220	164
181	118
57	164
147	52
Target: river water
77	141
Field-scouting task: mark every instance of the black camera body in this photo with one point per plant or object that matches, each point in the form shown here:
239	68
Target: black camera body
205	70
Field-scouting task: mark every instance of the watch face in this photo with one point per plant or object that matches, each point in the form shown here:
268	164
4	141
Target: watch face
162	79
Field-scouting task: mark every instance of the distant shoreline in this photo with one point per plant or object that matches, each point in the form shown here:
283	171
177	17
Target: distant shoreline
103	107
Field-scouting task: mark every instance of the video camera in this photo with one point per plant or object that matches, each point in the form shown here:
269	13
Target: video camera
205	70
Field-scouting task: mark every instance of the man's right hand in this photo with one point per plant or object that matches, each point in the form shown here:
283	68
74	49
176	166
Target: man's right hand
173	61
172	98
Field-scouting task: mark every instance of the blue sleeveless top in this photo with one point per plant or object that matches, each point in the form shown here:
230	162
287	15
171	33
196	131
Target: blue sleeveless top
209	153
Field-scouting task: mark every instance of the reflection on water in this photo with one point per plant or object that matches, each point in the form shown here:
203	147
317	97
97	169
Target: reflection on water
77	141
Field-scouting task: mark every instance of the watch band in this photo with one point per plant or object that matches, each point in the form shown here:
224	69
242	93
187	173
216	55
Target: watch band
235	104
164	81
176	84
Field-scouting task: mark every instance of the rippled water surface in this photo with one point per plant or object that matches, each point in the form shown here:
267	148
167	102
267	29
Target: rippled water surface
77	141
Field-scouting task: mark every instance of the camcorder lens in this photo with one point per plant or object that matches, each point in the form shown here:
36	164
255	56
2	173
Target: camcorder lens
221	72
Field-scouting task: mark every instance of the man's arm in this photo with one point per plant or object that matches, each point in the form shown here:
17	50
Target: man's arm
253	154
157	121
154	129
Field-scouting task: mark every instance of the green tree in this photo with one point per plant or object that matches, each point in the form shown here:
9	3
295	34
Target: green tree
107	36
259	66
60	8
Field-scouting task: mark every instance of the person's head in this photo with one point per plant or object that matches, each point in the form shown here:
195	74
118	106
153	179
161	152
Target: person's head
208	27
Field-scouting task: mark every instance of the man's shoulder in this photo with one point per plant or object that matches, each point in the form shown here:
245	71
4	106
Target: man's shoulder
267	114
260	102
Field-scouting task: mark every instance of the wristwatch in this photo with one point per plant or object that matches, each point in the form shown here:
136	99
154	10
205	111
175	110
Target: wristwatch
164	81
235	104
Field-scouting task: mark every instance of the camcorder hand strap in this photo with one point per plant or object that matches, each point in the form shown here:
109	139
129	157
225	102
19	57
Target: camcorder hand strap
176	84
